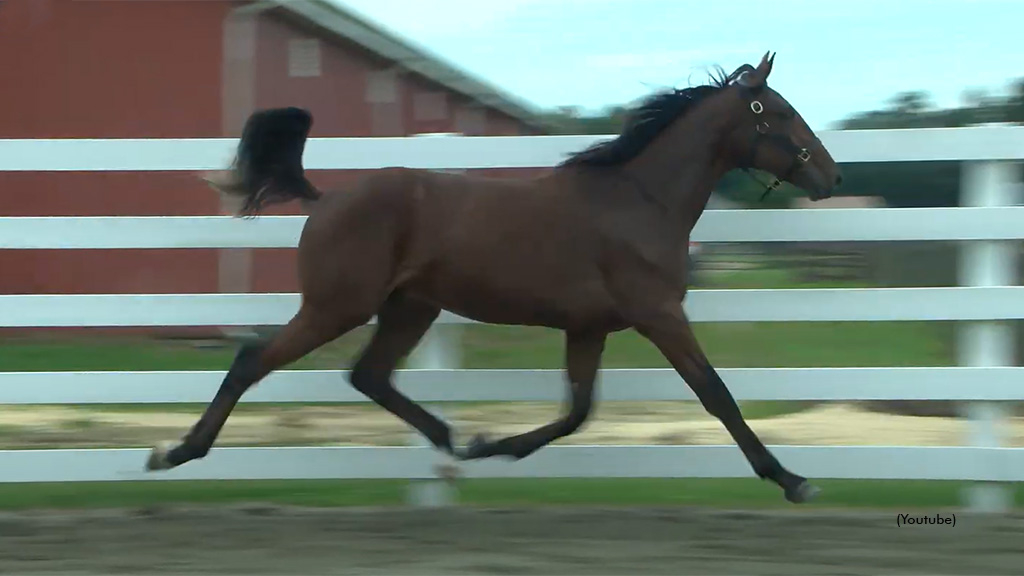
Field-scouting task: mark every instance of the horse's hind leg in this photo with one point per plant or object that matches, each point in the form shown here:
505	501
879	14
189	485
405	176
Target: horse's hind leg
582	360
401	324
308	330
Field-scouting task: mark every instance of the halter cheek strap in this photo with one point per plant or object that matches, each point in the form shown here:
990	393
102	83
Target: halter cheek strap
761	136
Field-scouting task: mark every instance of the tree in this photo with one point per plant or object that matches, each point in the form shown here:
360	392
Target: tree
911	103
1015	104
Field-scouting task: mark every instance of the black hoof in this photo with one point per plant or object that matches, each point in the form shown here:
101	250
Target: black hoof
802	492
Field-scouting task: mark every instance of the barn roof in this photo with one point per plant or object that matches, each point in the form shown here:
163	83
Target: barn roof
345	24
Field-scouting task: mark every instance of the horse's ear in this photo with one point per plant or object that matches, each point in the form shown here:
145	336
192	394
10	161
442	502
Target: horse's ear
751	77
765	67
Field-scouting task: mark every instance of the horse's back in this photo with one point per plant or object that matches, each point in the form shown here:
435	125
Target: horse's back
496	250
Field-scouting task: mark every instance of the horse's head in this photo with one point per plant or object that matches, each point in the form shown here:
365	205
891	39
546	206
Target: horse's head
773	137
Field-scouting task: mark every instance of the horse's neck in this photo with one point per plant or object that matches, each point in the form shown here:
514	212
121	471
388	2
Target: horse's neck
681	167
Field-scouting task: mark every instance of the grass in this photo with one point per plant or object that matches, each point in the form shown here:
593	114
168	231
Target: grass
771	275
746	493
737	344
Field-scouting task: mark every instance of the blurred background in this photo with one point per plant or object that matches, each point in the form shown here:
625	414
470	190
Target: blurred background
370	68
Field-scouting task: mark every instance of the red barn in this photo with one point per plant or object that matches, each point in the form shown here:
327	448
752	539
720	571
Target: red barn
179	69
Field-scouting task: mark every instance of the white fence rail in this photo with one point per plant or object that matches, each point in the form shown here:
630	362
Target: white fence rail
845	225
753	305
988	223
984	143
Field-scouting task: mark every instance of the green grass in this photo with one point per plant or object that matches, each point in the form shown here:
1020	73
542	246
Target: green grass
729	345
97	354
768	277
745	493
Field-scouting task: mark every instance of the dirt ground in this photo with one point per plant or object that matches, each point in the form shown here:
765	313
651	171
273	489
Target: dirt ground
838	424
265	540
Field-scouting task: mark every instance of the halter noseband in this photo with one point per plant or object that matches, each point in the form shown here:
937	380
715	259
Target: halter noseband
800	155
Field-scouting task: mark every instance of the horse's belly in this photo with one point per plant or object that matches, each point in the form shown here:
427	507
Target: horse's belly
520	301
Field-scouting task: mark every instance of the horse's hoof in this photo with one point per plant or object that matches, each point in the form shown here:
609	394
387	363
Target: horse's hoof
475	448
448	469
158	456
803	492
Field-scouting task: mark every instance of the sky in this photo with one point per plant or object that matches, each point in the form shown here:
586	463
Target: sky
833	57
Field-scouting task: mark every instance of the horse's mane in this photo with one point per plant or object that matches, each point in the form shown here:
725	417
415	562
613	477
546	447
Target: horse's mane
647	120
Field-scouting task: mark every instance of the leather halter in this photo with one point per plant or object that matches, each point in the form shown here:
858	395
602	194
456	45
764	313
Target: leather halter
762	135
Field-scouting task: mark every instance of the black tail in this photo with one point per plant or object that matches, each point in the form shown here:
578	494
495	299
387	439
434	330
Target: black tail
268	164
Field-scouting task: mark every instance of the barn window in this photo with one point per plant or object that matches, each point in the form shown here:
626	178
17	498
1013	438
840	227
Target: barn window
471	120
304	57
382	87
430	106
387	120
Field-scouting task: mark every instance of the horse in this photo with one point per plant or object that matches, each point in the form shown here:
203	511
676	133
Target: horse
594	246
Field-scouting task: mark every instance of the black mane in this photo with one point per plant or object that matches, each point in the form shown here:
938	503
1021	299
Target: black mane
645	122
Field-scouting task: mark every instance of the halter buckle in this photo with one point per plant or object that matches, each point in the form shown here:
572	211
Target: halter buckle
756	107
803	155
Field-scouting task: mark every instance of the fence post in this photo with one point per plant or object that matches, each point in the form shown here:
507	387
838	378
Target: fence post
439	349
987	263
240	36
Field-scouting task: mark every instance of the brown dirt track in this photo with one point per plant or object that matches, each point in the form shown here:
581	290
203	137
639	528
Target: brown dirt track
555	541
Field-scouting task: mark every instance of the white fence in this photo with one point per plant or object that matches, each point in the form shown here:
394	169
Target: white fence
987	225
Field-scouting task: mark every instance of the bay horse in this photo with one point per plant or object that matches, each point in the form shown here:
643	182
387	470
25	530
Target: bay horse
595	246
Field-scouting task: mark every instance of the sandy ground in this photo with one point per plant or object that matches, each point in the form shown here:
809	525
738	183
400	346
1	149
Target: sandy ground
613	423
283	541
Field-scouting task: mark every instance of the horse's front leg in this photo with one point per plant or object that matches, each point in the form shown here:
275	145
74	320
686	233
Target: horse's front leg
667	327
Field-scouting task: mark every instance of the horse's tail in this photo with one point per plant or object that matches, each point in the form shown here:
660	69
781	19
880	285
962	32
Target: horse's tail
267	168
